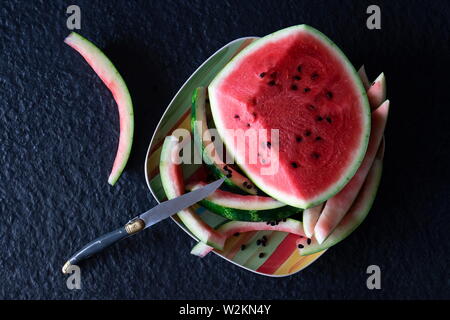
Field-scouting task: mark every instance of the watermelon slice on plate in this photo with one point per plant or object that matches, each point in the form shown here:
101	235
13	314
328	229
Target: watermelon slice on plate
280	256
299	85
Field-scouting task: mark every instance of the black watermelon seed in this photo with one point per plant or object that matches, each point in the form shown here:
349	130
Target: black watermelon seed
236	116
319	118
294	87
311	107
262	254
297	78
249	186
294	165
306	90
318	138
284	219
269	144
262	74
299	68
264	238
315	155
243	247
272	223
300	246
271	83
258	242
298	139
328	119
263	244
237	234
329	94
307	133
314	76
245	183
248	125
308	241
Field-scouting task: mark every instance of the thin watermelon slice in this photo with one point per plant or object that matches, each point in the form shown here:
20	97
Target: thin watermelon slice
298	82
377	91
310	217
104	68
173	184
364	79
230	228
244	207
336	207
213	159
355	216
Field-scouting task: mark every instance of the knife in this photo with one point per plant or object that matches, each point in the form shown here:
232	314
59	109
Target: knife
141	222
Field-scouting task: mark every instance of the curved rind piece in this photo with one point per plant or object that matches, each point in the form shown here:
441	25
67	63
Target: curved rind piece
310	218
365	112
104	68
377	91
173	184
364	79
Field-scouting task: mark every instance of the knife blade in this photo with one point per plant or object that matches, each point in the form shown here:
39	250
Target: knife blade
151	217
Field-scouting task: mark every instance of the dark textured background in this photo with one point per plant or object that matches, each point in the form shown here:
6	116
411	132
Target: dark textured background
59	129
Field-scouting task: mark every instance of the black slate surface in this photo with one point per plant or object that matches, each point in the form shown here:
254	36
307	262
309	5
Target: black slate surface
59	129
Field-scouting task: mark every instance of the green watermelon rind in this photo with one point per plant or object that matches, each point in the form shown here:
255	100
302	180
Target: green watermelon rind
237	182
250	215
190	219
101	64
372	184
365	112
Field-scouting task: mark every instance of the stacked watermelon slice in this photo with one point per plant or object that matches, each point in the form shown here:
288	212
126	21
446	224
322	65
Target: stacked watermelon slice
319	159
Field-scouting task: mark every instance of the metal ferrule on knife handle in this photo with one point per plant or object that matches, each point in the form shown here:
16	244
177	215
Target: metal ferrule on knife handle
99	244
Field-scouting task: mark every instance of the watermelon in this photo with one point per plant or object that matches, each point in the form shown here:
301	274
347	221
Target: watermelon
336	207
173	185
377	91
104	68
298	82
244	207
363	75
310	217
203	141
357	213
232	227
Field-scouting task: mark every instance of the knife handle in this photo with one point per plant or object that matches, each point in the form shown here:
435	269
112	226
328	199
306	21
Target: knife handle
103	242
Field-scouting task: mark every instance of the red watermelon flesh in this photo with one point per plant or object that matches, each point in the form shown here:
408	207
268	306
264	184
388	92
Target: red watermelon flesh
297	81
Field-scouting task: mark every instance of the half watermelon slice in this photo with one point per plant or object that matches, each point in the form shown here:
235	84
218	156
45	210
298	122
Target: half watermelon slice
299	85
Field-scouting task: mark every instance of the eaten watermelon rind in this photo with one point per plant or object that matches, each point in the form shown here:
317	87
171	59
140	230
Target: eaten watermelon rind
359	156
173	185
199	124
238	201
108	73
